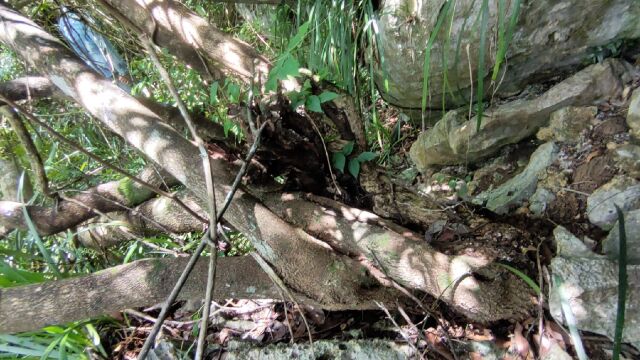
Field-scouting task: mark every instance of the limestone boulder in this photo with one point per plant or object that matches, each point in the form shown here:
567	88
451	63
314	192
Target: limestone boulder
455	139
622	191
566	124
633	116
550	37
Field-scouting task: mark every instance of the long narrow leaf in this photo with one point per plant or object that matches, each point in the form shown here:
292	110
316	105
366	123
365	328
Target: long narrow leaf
426	66
504	37
34	233
481	59
622	285
570	318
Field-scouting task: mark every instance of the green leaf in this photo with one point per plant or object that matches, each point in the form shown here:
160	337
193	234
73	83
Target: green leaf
348	148
313	103
354	167
213	93
327	96
367	156
532	284
286	66
233	91
622	285
226	126
338	160
201	11
290	67
296	98
300	35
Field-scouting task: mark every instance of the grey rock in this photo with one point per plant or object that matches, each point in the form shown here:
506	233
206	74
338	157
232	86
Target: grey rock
611	245
455	139
589	284
566	124
550	37
540	200
569	246
322	349
627	159
164	350
522	186
555	352
622	191
633	115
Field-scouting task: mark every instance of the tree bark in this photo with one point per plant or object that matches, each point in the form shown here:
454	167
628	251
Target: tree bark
156	216
141	283
313	269
193	40
28	87
104	198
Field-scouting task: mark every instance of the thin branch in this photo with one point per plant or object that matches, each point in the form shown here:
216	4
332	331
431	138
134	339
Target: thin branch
211	195
406	338
203	243
32	152
96	158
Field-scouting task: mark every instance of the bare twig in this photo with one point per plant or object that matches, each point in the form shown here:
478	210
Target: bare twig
406	338
203	243
326	153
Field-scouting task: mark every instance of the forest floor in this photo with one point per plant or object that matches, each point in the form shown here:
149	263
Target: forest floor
523	240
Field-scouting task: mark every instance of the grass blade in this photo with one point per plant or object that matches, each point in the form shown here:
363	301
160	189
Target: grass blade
426	66
481	59
622	286
570	318
523	276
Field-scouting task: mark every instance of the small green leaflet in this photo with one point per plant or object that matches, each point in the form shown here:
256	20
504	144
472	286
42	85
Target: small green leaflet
338	160
233	91
348	148
213	93
367	156
285	67
327	96
297	39
313	103
354	167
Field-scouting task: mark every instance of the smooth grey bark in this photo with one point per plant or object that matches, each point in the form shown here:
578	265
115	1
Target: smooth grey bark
141	283
190	37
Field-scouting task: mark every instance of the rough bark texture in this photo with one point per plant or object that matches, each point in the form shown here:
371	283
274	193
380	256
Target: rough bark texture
313	269
28	87
156	216
469	284
112	196
141	283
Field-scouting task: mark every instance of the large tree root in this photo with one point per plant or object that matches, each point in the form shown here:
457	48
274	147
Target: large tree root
141	283
307	263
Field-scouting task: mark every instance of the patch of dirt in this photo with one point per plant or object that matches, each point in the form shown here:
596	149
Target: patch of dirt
593	173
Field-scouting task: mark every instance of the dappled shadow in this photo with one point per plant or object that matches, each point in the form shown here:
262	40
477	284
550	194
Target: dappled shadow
476	287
